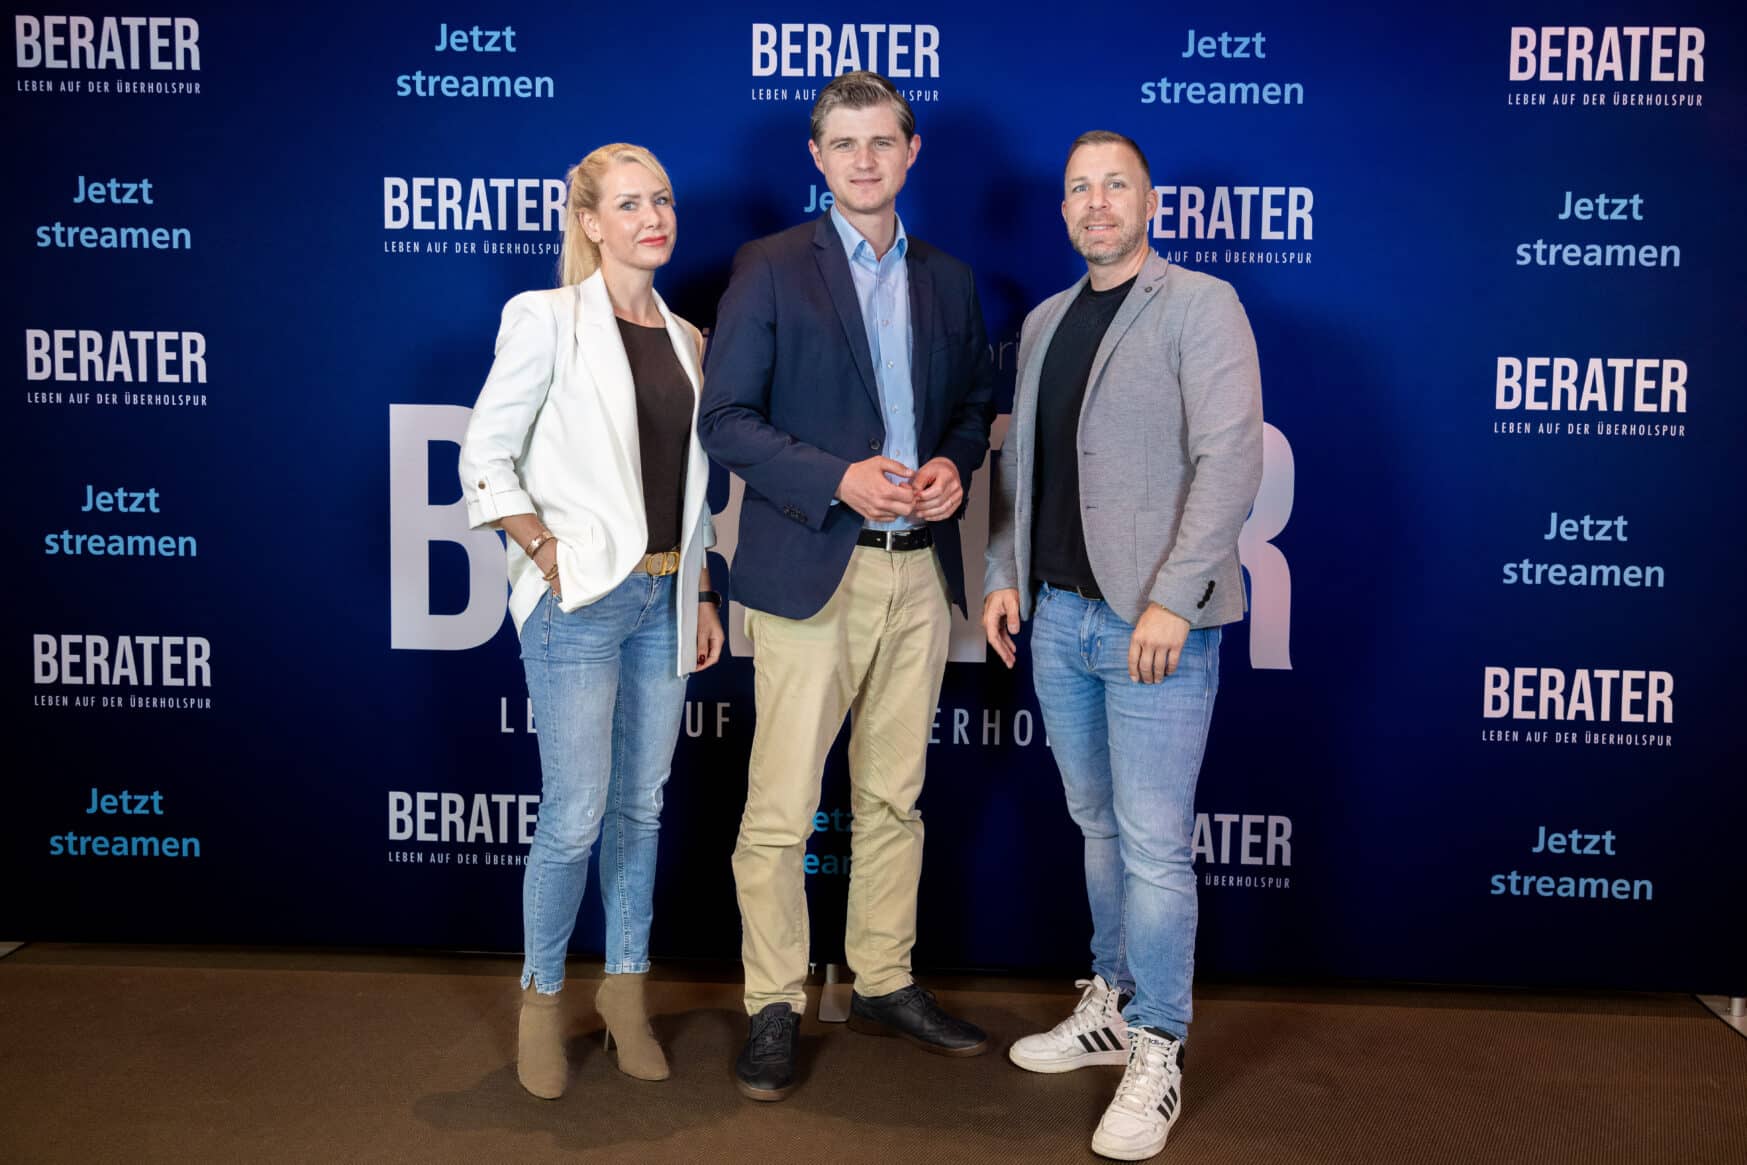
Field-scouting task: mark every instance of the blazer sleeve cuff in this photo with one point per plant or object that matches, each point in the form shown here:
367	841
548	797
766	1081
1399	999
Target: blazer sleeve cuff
1000	577
488	509
966	457
1183	597
820	474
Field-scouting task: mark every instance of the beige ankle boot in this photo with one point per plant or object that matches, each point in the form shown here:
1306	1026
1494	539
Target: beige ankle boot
620	1002
540	1063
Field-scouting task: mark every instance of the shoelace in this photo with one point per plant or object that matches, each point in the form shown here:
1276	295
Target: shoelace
1145	1083
1085	1016
770	1036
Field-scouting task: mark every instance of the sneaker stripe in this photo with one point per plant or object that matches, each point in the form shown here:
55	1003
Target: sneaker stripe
1115	1044
1098	1039
1086	1042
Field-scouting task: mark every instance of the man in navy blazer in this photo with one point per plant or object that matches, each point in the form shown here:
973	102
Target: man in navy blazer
850	384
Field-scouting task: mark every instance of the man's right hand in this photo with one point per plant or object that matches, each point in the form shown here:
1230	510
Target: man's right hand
1001	622
866	490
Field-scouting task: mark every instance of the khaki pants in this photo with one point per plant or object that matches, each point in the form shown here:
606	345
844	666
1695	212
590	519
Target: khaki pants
877	650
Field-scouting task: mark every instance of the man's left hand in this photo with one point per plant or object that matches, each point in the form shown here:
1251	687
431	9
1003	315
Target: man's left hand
1156	644
938	491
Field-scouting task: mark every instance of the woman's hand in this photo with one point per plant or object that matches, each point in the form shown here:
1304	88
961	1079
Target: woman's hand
710	636
546	558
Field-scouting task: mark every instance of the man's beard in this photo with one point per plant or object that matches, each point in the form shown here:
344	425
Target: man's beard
1111	250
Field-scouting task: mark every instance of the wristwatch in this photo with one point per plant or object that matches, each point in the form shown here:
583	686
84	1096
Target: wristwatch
710	597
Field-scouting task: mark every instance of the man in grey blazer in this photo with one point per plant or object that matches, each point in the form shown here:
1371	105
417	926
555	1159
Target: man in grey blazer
1133	459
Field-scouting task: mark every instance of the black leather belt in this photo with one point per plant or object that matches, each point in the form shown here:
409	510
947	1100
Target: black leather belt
1092	594
917	538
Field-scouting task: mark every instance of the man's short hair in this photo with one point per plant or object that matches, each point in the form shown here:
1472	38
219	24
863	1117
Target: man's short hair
861	90
1109	137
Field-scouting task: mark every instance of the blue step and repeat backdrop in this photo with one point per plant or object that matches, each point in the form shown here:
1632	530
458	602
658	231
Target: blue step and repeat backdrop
1481	724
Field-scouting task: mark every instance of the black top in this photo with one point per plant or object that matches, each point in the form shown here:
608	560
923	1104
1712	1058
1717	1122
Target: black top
664	428
1058	540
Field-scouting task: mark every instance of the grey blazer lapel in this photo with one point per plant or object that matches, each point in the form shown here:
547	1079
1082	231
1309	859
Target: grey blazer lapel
1147	284
834	269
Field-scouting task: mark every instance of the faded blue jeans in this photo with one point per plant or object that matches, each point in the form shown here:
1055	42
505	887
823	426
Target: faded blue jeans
1130	755
607	707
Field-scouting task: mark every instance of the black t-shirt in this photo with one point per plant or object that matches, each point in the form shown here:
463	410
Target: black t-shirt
1058	540
664	428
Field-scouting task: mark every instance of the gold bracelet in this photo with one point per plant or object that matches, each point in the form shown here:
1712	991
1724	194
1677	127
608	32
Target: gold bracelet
552	573
540	539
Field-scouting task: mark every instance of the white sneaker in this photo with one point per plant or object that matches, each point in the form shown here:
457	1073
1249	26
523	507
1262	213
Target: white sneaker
1148	1101
1094	1034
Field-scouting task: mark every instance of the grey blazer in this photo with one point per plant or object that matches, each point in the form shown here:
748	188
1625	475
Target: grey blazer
1170	442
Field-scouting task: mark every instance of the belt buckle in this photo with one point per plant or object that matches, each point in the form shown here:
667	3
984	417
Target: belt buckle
661	564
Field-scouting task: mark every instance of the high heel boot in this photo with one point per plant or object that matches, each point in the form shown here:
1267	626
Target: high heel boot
620	1002
540	1063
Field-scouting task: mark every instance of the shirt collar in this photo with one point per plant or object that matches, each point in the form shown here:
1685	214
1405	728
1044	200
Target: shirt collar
853	240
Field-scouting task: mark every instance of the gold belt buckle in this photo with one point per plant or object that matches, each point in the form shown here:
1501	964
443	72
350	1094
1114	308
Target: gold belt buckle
662	563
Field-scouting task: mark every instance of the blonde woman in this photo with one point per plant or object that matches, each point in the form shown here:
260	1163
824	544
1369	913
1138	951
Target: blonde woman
583	449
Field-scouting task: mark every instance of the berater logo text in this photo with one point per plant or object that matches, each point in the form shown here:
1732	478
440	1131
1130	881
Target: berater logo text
82	661
63	52
1602	384
472	206
460	829
1623	695
130	356
1235	214
129	43
1660	66
900	51
1576	53
1243	839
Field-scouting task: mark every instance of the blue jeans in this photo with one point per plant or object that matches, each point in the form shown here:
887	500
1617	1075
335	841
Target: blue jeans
607	706
1130	755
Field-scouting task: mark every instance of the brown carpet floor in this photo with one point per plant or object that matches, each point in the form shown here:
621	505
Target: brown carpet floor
130	1054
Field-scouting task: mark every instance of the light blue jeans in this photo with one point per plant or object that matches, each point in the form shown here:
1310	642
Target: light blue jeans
1130	755
607	707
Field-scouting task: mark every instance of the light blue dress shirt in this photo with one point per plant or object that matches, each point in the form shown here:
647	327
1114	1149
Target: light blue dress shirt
882	287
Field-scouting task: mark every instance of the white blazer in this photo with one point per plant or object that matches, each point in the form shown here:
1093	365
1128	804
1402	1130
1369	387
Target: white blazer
555	434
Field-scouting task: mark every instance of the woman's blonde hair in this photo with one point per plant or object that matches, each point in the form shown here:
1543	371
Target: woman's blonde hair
579	256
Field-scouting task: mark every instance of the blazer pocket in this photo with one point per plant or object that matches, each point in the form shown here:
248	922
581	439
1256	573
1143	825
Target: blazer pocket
589	535
1152	542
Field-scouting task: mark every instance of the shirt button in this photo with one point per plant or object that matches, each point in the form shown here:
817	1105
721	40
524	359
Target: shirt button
888	363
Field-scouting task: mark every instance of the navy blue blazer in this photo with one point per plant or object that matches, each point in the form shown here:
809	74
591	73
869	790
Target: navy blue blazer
790	401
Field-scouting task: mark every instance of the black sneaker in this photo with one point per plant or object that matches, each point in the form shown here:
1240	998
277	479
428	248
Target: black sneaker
912	1013
766	1067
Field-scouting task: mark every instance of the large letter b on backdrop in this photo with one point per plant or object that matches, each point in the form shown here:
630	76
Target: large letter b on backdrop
414	523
